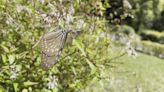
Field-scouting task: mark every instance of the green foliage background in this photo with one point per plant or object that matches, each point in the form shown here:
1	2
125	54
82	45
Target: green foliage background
22	22
21	27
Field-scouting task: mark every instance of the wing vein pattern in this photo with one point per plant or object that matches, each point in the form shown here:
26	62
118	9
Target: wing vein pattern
52	44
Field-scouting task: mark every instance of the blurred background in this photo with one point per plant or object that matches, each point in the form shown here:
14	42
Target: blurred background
115	46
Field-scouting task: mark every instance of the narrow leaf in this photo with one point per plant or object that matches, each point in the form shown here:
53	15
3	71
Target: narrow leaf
91	65
4	58
5	48
29	83
11	59
15	87
76	43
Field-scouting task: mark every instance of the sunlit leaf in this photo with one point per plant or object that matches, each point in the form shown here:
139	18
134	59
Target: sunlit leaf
6	49
25	90
91	65
73	69
4	58
79	46
30	83
13	50
24	21
11	58
30	89
15	87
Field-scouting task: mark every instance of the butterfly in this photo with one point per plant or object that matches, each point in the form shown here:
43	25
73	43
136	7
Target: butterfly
52	44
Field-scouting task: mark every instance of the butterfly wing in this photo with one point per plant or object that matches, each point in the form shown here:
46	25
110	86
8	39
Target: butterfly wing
52	44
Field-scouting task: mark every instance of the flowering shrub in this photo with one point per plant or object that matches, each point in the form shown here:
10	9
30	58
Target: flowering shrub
23	23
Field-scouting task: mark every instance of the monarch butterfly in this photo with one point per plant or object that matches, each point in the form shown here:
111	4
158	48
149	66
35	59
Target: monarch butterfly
52	44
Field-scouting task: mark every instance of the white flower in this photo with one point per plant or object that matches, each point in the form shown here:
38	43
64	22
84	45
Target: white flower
19	8
96	40
80	24
46	18
161	55
130	50
43	15
9	20
52	82
69	19
42	1
28	10
71	10
13	75
126	4
13	72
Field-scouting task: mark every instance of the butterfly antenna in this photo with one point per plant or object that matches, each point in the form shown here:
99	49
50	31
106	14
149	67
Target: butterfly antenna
37	42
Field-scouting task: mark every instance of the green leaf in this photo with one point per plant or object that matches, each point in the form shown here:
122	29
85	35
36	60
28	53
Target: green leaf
6	49
29	83
79	46
73	69
15	87
24	90
4	58
30	89
91	65
2	89
13	49
11	59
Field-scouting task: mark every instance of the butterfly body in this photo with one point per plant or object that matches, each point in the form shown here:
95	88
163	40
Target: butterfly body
52	44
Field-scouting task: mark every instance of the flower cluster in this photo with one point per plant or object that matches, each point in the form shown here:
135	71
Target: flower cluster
52	82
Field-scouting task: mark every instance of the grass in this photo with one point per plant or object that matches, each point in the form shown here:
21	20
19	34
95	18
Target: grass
128	74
